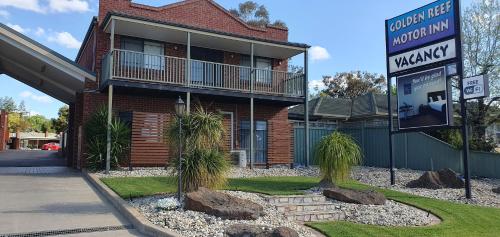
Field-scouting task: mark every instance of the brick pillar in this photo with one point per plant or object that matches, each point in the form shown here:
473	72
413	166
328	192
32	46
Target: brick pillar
4	130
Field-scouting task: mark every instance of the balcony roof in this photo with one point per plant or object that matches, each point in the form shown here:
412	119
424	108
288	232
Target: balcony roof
176	33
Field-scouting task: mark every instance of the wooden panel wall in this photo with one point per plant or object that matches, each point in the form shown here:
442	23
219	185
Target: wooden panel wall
148	146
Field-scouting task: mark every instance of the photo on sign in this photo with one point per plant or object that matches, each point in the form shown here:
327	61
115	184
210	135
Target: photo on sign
423	99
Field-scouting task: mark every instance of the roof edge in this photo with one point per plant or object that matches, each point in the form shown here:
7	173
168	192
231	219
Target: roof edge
119	14
93	23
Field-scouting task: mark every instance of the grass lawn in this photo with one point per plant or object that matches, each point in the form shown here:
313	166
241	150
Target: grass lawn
458	219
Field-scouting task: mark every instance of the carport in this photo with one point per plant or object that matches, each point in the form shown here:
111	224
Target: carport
45	70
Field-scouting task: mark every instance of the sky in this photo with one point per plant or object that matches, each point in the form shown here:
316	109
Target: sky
344	35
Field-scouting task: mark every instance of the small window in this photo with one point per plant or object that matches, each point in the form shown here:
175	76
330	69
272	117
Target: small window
141	53
263	69
260	140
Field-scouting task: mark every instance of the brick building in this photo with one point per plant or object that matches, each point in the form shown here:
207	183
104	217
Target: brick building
146	57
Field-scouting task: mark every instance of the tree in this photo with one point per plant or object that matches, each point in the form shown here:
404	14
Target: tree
22	108
17	122
353	84
38	123
8	104
481	46
255	15
61	122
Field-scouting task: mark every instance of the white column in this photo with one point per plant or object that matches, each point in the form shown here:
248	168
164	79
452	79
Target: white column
188	72
110	100
252	128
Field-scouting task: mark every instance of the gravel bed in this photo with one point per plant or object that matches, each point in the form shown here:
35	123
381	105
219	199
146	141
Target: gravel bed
198	224
481	188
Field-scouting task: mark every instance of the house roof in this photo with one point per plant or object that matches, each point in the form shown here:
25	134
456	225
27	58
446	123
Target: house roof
327	107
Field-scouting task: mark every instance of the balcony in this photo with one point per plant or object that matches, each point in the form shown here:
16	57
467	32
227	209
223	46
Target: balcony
130	66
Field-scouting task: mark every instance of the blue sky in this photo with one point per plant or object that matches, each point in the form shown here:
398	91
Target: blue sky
346	35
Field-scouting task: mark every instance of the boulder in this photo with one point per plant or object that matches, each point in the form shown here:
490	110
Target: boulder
496	190
445	178
367	197
245	230
222	205
285	232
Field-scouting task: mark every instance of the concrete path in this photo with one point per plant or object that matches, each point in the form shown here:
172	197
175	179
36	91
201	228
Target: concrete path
56	200
20	158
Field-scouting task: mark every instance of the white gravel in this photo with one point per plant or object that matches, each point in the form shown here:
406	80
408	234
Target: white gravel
481	188
198	224
482	193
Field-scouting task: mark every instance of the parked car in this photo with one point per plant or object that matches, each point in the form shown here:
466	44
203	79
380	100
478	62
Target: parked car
52	146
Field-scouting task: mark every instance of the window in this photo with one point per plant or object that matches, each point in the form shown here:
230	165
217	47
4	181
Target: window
260	140
142	53
263	69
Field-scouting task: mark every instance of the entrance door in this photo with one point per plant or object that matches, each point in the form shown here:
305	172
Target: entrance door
260	140
204	68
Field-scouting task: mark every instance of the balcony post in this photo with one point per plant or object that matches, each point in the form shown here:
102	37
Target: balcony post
110	100
306	109
111	48
188	72
252	132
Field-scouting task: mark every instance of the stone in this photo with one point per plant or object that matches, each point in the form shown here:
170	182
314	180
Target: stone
245	230
325	184
222	205
496	190
366	197
445	178
284	232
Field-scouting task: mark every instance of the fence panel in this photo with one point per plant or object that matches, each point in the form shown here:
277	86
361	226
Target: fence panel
417	151
316	132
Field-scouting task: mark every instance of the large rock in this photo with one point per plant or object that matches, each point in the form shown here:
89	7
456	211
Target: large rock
445	178
222	205
496	190
245	230
367	197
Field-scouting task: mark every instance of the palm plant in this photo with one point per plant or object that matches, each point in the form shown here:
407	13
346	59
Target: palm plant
96	139
204	159
337	153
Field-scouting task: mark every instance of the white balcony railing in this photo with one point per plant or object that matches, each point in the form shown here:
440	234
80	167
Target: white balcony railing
135	66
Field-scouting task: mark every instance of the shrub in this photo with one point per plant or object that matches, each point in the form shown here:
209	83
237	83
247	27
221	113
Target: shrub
337	153
96	140
204	160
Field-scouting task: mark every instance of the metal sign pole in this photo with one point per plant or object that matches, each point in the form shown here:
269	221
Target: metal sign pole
389	112
463	105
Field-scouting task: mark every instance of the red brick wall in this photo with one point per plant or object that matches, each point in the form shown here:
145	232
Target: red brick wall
279	137
4	129
87	56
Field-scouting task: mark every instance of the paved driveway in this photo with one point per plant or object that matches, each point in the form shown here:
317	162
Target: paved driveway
20	158
55	200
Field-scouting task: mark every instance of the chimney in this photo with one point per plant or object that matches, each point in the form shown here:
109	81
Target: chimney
46	134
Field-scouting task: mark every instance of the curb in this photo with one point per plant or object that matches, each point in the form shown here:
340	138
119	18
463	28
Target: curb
140	223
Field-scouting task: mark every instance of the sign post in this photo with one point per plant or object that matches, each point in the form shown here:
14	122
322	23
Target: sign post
421	46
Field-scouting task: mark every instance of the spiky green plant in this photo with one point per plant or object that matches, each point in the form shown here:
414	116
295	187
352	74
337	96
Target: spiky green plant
337	153
204	159
96	140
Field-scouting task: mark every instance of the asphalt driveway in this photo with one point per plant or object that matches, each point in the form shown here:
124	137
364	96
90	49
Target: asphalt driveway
20	158
48	201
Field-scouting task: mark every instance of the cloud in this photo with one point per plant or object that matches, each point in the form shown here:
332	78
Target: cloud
318	53
65	39
58	6
4	14
18	28
39	98
39	31
69	5
313	84
30	5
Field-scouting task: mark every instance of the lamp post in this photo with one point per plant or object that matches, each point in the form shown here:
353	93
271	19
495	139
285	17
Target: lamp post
180	108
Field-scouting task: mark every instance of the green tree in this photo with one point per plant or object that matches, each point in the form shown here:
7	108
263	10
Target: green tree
255	14
481	46
60	124
17	122
8	104
353	84
39	123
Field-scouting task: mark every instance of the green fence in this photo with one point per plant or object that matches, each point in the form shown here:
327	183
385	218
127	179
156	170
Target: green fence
411	150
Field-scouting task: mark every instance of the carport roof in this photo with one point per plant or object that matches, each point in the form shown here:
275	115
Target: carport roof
40	67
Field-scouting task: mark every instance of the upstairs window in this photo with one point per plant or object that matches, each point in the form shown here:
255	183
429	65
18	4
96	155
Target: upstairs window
142	53
263	69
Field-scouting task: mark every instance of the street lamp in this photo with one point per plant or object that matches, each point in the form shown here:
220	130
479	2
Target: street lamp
180	108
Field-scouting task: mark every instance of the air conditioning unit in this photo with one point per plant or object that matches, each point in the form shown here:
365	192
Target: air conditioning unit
239	158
